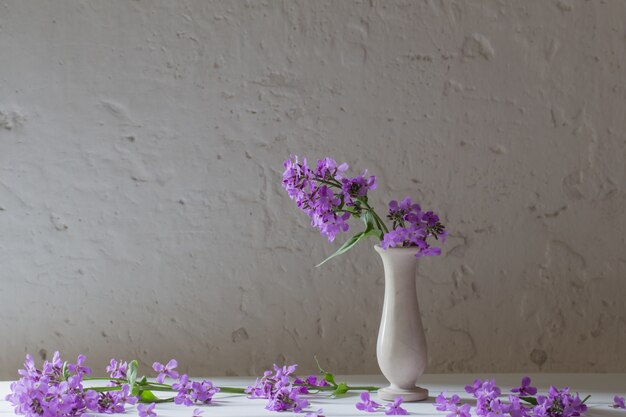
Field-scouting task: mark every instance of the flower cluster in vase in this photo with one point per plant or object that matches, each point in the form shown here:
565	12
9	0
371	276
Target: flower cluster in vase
330	198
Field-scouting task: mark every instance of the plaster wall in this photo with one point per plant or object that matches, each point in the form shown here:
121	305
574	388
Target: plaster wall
141	213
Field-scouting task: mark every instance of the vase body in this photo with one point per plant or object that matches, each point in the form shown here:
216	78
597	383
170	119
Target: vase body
401	347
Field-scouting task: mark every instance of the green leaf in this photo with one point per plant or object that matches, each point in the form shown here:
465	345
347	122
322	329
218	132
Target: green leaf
132	373
330	378
368	219
376	233
65	371
529	400
342	388
345	247
143	381
148	397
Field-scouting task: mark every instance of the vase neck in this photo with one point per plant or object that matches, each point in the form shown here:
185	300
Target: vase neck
399	263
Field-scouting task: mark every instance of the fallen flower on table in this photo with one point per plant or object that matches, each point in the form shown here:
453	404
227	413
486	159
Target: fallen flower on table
57	390
146	410
392	409
366	404
618	402
451	405
284	390
557	403
318	413
165	370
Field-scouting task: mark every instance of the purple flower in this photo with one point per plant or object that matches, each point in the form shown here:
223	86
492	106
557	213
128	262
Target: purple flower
618	402
313	195
475	386
55	392
126	397
146	410
117	369
182	386
79	368
394	409
486	394
311	382
328	169
282	394
110	402
203	392
197	412
357	187
559	403
486	389
443	404
525	389
318	413
451	405
165	370
366	404
287	398
515	407
411	228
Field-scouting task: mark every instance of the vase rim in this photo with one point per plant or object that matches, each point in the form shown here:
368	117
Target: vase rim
410	249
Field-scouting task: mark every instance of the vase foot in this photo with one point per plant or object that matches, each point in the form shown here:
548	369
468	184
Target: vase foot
408	395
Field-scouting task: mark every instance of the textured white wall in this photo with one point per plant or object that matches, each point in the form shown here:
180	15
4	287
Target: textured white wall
141	213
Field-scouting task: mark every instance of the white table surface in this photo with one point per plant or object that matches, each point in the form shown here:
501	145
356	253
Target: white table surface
601	387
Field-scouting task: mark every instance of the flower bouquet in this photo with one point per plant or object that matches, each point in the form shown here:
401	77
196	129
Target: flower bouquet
330	198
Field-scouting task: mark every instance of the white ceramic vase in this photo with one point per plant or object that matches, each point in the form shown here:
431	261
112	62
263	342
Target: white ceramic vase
401	347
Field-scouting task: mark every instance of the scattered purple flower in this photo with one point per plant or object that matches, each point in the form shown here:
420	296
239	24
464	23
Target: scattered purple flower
618	402
197	412
79	367
318	413
146	410
183	387
451	405
117	369
557	403
442	403
366	404
203	392
525	389
394	409
165	370
282	394
57	391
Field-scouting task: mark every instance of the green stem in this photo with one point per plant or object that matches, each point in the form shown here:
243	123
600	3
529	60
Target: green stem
155	388
104	389
156	384
332	388
166	388
104	379
379	221
363	388
160	400
332	184
232	390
